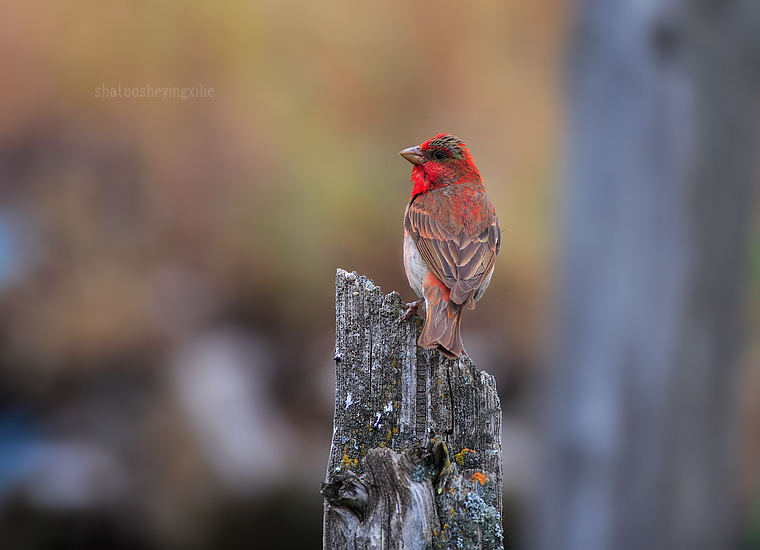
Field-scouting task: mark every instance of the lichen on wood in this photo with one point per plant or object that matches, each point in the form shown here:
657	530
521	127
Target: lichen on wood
415	461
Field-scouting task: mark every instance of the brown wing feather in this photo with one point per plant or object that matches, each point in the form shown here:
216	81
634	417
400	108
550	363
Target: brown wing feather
460	251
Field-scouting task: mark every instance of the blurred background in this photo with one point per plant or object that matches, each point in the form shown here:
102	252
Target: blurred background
167	265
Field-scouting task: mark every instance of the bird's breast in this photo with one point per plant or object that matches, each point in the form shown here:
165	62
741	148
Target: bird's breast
414	265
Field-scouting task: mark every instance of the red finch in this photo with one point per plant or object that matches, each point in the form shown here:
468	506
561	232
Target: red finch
451	238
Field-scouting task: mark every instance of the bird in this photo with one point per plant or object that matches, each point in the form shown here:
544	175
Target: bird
451	239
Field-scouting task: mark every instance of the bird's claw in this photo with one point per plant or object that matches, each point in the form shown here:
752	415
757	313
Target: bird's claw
411	309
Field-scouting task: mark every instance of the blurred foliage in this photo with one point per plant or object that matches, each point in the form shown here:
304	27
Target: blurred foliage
130	224
288	172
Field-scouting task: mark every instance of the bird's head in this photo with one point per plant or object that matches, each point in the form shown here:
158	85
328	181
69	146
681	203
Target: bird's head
440	161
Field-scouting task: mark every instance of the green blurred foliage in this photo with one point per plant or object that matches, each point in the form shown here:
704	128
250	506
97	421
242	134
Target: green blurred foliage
145	221
261	191
288	172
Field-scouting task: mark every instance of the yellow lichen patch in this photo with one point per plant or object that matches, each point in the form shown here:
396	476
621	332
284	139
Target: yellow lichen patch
479	477
395	430
346	460
459	457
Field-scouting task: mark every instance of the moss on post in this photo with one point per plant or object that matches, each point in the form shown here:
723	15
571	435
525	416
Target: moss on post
415	461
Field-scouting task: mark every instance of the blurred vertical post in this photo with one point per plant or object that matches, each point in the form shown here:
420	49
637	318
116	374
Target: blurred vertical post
415	461
661	149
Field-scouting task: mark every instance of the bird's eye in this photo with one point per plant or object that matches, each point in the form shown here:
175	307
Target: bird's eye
438	155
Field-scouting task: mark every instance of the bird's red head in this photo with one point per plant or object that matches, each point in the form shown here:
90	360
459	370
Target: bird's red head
440	161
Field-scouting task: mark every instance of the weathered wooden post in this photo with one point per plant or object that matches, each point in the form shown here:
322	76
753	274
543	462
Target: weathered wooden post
415	461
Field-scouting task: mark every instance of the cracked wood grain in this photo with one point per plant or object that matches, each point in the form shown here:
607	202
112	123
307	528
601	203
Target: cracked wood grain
415	461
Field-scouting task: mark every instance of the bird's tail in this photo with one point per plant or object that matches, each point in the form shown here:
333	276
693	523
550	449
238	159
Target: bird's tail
442	321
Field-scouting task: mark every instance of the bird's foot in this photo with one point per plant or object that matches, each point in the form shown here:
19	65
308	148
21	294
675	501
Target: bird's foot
411	309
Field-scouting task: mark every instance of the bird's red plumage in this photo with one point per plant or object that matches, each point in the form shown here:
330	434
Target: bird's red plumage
431	175
451	237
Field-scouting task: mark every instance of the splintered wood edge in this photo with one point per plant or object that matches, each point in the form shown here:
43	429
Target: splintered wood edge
459	489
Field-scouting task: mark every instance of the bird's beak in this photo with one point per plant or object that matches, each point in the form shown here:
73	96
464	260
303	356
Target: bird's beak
413	155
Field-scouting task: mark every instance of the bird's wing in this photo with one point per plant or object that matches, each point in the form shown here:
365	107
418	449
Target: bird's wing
460	252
